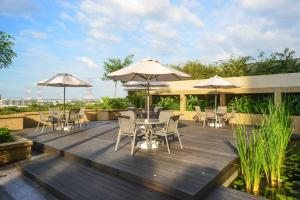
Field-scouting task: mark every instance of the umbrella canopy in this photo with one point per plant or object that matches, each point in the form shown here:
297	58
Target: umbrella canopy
215	83
148	70
64	80
144	84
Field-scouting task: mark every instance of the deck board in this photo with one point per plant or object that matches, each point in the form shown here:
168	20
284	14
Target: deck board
188	172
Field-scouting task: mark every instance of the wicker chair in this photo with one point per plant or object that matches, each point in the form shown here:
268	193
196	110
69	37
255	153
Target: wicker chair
73	118
128	128
43	120
210	115
170	129
199	116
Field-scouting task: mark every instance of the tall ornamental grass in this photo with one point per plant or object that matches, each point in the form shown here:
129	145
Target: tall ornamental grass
251	152
276	129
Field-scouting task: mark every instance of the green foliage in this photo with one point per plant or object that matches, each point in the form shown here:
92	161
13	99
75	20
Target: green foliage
293	102
276	127
6	52
276	63
193	100
263	150
251	152
115	64
279	62
168	102
247	104
114	103
5	135
137	98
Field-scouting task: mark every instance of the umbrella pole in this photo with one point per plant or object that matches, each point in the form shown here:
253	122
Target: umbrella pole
64	101
148	101
216	99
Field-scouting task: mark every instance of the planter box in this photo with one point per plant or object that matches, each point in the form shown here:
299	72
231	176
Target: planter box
15	151
108	114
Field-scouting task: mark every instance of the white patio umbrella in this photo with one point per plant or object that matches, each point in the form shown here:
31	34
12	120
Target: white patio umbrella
64	80
148	70
215	83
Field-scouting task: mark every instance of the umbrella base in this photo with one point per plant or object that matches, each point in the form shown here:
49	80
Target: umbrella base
218	125
152	144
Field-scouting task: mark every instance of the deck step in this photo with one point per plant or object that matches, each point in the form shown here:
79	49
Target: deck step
68	179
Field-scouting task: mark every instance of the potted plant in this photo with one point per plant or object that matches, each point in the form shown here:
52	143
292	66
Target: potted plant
13	148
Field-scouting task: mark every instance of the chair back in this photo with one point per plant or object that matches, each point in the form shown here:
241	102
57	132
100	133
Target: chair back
159	109
73	115
54	112
42	116
172	124
126	125
81	112
164	115
129	113
210	113
198	109
222	109
233	112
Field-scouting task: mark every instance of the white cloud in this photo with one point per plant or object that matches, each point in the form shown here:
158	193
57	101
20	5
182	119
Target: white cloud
65	16
34	34
152	20
88	61
103	36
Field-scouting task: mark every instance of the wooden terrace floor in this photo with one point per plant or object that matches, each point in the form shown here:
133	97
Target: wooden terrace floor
189	173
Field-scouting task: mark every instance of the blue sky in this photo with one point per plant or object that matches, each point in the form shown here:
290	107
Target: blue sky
54	36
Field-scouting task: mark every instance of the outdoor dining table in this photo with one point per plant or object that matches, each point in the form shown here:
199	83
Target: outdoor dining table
148	124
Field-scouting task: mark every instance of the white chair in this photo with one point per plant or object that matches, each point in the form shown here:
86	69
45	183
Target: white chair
44	120
127	128
210	115
170	129
72	118
82	116
199	116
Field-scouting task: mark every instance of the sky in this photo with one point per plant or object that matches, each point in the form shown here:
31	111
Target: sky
77	36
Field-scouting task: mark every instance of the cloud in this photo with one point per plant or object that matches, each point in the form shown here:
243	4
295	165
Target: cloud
157	20
34	34
67	17
17	7
88	62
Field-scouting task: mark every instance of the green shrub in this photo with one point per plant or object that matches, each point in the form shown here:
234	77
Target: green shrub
114	103
137	98
247	104
292	101
194	100
5	135
168	102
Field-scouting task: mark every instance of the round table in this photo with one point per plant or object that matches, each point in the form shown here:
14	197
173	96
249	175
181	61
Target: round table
148	123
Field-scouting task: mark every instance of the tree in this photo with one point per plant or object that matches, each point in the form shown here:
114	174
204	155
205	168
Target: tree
276	63
114	64
6	52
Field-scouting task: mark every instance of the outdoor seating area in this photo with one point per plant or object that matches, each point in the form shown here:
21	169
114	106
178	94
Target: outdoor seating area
62	120
213	118
185	173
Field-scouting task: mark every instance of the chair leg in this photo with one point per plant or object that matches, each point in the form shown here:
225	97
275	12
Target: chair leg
118	141
167	142
179	139
43	128
37	128
133	144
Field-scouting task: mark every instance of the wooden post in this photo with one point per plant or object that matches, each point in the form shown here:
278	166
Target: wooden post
182	103
222	99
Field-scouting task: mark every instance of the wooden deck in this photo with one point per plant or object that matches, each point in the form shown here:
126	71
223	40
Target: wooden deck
190	173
